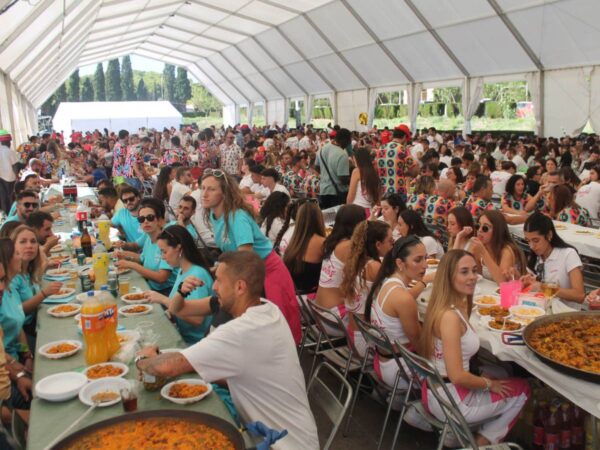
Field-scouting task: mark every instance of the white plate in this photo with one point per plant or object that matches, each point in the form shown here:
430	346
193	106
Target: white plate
66	292
123	310
57	248
81	297
43	349
122	271
114	384
534	311
60	386
478	303
128	336
487	325
64	314
59	258
59	273
164	392
133	302
87	261
123	367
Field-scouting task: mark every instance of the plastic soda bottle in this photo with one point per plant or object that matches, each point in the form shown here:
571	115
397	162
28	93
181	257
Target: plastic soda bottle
100	265
538	425
104	230
110	321
577	433
553	428
565	432
92	326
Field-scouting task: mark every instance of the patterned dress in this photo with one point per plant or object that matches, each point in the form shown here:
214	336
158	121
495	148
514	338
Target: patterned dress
135	157
393	164
437	209
310	185
476	206
173	155
511	202
119	160
293	182
230	158
417	202
575	214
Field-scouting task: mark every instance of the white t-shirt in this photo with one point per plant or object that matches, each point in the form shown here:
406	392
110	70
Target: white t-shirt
178	190
520	163
257	356
557	267
588	196
246	181
276	227
432	247
280	188
8	158
201	225
304	143
499	179
285	239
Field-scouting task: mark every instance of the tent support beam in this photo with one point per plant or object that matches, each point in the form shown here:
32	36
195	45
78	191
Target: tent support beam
183	30
378	41
252	85
182	42
213	82
437	37
257	71
237	88
39	10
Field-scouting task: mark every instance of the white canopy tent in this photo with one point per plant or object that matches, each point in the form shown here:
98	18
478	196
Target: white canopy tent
130	116
273	51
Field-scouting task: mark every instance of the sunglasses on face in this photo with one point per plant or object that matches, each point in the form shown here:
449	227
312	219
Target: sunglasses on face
483	228
149	218
30	204
128	199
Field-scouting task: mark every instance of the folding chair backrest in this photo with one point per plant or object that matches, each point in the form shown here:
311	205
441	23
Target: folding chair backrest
326	320
305	312
591	273
321	395
438	388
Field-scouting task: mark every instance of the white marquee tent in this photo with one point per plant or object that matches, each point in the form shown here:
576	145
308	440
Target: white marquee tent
248	52
130	116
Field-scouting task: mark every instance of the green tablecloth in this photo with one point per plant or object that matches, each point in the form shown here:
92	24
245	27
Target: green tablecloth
49	419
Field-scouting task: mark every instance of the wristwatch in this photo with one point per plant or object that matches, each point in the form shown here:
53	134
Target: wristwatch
180	292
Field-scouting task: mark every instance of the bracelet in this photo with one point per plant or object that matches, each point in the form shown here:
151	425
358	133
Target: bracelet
423	283
488	384
180	292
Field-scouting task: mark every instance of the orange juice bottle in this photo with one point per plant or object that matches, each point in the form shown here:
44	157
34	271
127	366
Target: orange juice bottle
110	321
92	326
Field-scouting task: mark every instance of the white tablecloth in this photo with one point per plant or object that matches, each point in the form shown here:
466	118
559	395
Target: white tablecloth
585	240
584	394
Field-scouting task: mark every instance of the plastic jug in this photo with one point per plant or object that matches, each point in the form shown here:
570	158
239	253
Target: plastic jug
110	320
100	265
92	326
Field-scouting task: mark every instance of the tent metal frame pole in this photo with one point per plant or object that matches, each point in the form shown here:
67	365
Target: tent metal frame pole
176	28
256	69
22	27
213	82
252	85
437	37
234	85
378	41
68	66
135	14
111	54
171	49
182	42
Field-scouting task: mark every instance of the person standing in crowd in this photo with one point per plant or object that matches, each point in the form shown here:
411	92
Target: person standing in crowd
365	187
395	163
231	155
134	164
234	227
181	186
175	154
126	218
254	352
438	205
334	166
8	176
120	156
449	341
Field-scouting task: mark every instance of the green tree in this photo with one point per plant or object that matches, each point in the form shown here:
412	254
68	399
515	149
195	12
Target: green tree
141	92
203	101
99	84
157	92
183	89
73	93
169	82
49	106
127	85
61	93
113	81
87	91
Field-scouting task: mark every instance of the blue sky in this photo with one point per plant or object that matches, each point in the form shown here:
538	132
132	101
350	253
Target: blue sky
137	63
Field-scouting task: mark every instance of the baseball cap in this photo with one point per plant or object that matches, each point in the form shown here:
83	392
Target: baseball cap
404	128
5	136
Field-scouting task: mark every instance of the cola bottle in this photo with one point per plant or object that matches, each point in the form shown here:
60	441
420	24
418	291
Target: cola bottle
539	419
552	429
565	432
577	432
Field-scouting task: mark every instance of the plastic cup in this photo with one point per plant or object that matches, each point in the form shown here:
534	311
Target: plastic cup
123	285
129	396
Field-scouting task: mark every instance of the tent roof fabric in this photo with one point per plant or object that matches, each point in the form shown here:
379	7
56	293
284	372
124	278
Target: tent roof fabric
117	110
247	51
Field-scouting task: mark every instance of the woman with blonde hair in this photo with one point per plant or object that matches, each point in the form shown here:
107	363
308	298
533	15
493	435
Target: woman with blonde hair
449	341
370	241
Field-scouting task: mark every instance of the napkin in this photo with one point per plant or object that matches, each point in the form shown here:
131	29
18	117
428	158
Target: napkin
271	436
54	301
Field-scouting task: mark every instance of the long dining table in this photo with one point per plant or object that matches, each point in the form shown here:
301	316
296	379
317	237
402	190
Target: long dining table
50	419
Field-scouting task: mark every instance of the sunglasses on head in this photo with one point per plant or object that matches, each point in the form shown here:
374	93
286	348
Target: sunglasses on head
128	199
149	218
485	228
217	173
31	204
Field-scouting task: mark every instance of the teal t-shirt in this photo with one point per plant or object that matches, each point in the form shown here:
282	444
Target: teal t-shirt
14	218
242	230
193	333
128	223
13	210
12	319
23	287
191	228
152	259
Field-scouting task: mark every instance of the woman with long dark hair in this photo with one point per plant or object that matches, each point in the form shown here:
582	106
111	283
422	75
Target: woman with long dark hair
553	260
515	198
162	188
234	227
392	205
272	214
411	223
178	249
564	208
365	187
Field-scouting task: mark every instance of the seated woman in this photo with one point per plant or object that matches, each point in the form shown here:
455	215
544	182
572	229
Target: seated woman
515	198
424	189
501	257
272	213
449	341
552	259
391	303
564	209
370	242
178	249
460	228
336	252
391	207
365	187
304	254
411	223
287	229
149	264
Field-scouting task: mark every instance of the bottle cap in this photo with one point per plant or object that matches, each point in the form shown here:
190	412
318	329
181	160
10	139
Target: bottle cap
104	287
90	293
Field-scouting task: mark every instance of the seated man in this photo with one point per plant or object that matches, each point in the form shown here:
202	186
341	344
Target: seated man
438	205
27	202
481	200
185	211
254	352
126	218
35	167
270	181
109	201
41	223
93	174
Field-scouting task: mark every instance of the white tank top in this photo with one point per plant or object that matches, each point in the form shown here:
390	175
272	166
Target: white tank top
332	272
469	345
391	326
357	304
361	198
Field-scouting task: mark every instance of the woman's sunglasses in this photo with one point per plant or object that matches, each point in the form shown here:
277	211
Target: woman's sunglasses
217	173
149	218
484	228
